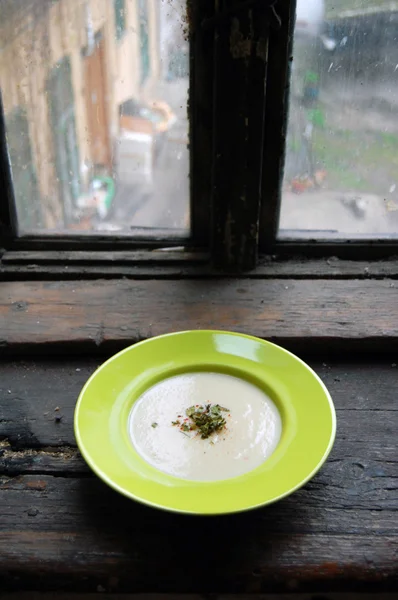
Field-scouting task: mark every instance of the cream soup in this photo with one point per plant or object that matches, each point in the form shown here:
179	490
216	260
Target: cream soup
252	432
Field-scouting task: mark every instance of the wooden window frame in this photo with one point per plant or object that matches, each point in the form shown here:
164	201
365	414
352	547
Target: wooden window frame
320	306
235	196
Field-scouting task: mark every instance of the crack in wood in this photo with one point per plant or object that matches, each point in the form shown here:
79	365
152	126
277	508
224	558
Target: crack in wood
63	528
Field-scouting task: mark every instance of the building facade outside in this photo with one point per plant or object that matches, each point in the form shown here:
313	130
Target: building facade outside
66	67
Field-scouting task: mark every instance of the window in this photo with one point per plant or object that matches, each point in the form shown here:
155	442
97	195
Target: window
117	162
61	103
24	176
341	163
101	153
120	18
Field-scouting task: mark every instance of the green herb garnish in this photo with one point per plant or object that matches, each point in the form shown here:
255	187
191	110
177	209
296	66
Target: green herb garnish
205	419
154	425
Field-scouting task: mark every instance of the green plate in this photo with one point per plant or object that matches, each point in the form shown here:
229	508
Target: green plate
306	408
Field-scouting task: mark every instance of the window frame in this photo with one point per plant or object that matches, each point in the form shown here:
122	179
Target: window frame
215	191
281	55
198	237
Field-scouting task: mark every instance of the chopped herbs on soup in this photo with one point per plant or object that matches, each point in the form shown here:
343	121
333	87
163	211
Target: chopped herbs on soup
204	419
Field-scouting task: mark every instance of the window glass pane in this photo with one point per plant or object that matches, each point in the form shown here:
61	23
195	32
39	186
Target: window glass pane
145	59
95	100
120	18
341	171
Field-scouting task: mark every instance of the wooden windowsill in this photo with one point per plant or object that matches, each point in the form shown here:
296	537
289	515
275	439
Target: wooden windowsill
162	596
300	312
63	529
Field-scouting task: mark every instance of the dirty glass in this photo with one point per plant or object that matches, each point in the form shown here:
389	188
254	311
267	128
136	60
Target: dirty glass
94	95
120	18
341	169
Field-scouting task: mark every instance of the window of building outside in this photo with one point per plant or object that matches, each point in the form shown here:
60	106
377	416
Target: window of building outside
341	171
96	121
120	18
145	54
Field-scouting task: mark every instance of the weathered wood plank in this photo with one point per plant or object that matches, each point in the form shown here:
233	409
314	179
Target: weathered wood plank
276	110
357	466
61	528
104	315
160	596
141	238
241	49
342	485
79	531
30	396
354	483
71	265
64	461
68	272
36	424
122	557
365	395
79	257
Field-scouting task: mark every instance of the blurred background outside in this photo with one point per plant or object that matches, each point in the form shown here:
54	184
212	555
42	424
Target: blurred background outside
95	98
341	172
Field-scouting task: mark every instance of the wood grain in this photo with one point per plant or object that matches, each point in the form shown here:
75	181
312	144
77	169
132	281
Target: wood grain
276	111
160	596
365	395
99	257
25	266
241	557
61	528
200	116
109	315
241	49
79	533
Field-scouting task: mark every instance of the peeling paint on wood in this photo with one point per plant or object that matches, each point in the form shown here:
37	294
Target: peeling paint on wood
109	315
240	46
63	529
262	49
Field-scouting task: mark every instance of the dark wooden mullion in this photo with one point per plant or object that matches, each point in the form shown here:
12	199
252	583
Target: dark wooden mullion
240	72
200	110
276	113
8	215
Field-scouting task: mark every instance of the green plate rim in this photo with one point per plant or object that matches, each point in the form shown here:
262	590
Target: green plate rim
128	494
